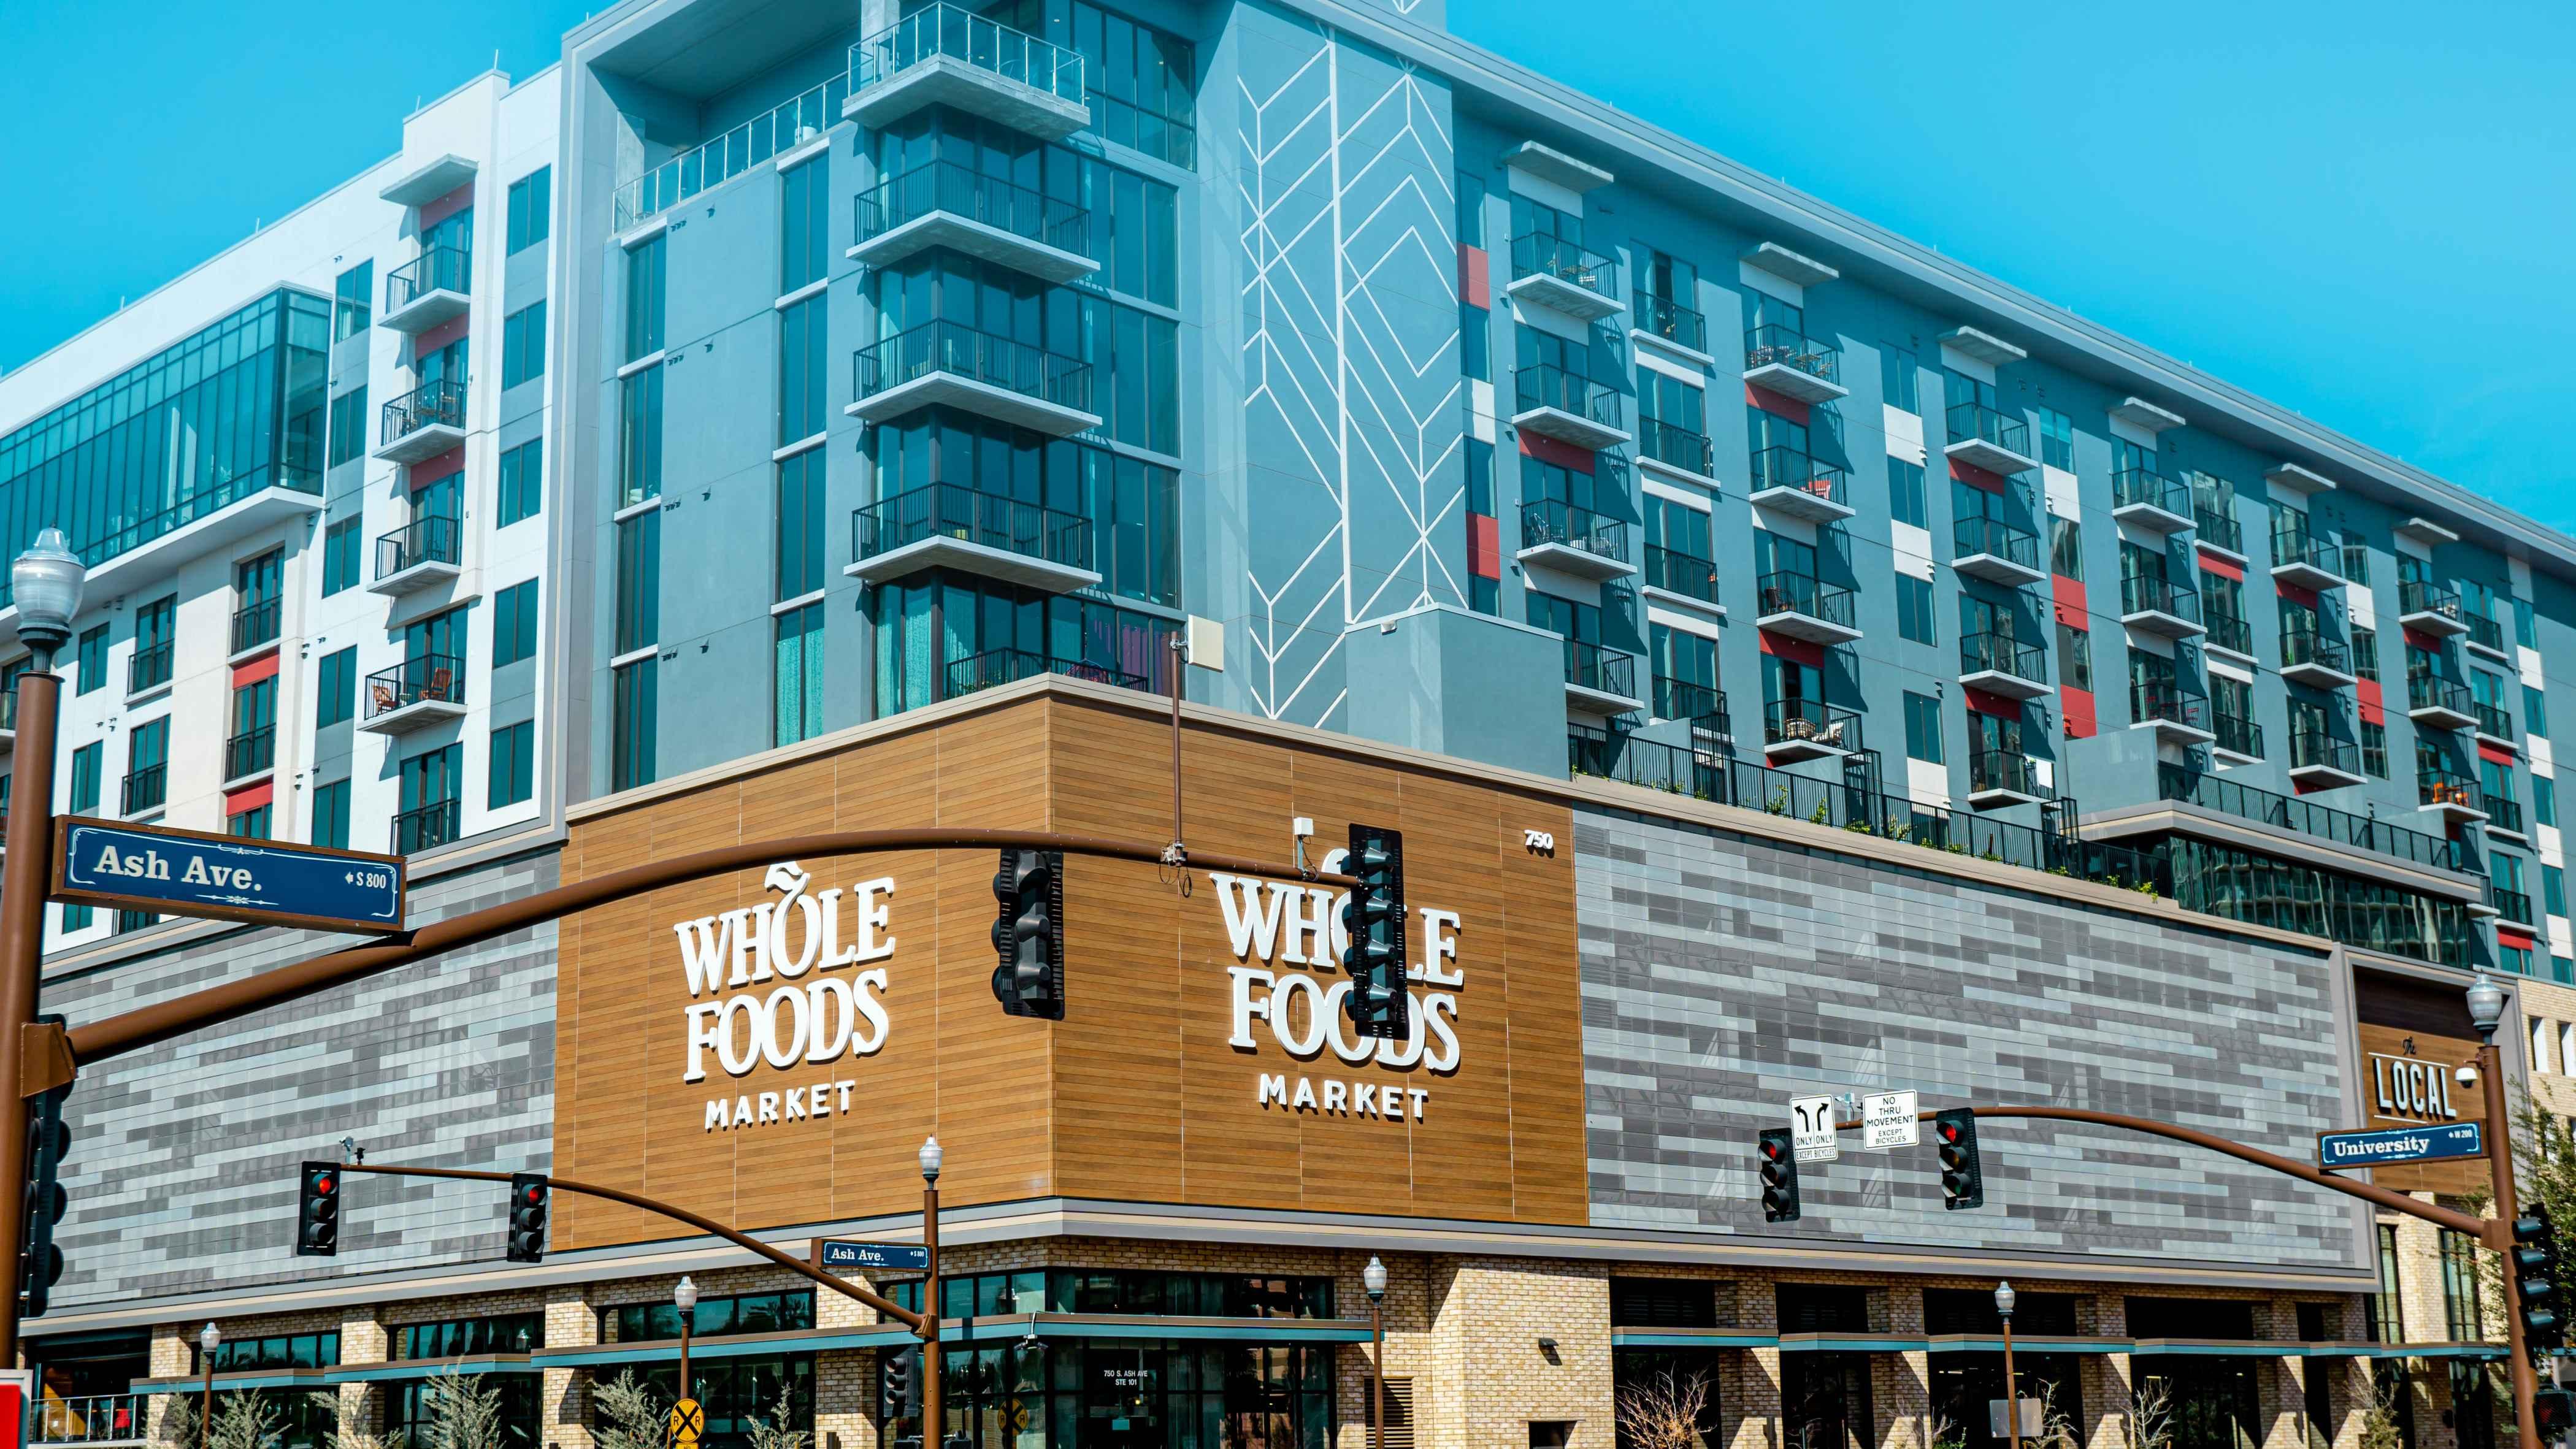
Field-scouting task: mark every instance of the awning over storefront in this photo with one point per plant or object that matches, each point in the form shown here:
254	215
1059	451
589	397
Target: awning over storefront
974	1330
490	1364
2037	1344
2026	1343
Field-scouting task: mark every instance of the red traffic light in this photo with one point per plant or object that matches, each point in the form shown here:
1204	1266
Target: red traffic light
325	1184
532	1193
1774	1149
1949	1131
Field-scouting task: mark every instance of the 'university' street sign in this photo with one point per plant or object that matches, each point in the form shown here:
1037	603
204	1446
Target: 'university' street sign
2430	1143
229	878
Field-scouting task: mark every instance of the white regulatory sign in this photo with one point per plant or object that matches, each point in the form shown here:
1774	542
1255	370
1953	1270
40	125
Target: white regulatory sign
1887	1120
1811	1128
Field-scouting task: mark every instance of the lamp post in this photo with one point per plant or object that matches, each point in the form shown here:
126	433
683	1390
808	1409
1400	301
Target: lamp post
2012	1392
934	1427
2486	1001
685	1298
208	1340
1373	1278
45	583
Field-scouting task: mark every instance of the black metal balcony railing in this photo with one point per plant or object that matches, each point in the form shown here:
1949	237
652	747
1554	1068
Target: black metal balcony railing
952	347
1683	699
1609	671
2218	528
2504	813
2312	749
2144	487
2289	812
953	510
2236	735
1993	536
2147	593
1675	446
256	623
2293	543
1811	721
1776	345
440	269
2165	700
1781	466
2494	720
432	538
1546	385
250	752
149	666
425	679
91	1419
2485	632
1552	520
2003	770
1976	420
2422	596
425	827
2431	691
1680	573
2002	654
147	787
2448	787
1537	255
1786	592
2514	906
956	33
960	190
433	404
2308	646
2226	631
1670	320
996	667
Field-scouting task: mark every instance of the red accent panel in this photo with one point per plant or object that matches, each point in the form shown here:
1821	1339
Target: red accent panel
2069	595
2224	568
1475	286
1551	450
2374	710
2075	707
2425	642
1976	477
1980	702
1797	651
249	797
434	212
2295	593
440	335
440	466
1484	547
2496	754
252	671
1771	402
2506	936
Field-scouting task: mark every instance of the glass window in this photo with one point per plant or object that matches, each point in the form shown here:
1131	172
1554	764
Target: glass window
2056	440
348	426
639	435
804	226
89	668
1899	375
632	726
797	677
2374	750
1485	595
523	345
277	1351
156	633
639	581
147	760
1142	82
2544	800
1471	210
782	1312
331	815
1906	502
522	482
799	545
431	785
2553	889
251	824
2365	653
341	556
252	746
514	623
941	634
1480	478
1914	609
2066	548
2074	658
353	299
531	208
644	298
1475	342
1922	727
803	332
513	766
335	687
2535	711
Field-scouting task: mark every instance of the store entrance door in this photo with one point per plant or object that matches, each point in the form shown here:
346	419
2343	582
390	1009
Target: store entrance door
1122	1398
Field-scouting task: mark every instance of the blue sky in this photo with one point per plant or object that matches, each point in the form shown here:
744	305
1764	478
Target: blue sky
2351	209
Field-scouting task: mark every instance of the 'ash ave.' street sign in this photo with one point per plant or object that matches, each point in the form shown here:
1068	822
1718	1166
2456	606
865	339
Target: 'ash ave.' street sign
229	878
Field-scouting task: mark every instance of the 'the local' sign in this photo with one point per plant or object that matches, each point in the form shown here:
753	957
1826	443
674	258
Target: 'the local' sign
193	873
2400	1144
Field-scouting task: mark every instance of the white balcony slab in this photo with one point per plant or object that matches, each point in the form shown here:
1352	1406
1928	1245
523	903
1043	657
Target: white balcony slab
429	182
1595	700
1995	568
957	390
420	714
2316	674
415	577
2301	573
1789	266
1551	165
1569	558
2322	777
2452	812
2154	517
2426	532
2175	732
1795	382
1991	456
2436	622
1791	750
2165	622
2291	478
2137	412
2442	716
1800	503
977	239
426	441
1998	797
2004	683
1792	625
434	308
980	559
945	80
1569	427
1564	295
1985	347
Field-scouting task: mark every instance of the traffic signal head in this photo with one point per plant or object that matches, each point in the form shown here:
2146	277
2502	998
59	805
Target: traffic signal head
1373	918
1963	1180
49	1140
1028	933
528	1191
2537	1285
1779	1176
899	1386
317	1211
2553	1412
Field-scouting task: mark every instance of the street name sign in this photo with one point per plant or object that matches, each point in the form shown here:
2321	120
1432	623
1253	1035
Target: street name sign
913	1257
1887	1121
226	878
1811	1129
2391	1145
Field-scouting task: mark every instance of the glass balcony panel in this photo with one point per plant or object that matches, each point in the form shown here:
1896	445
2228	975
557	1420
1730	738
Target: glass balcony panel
952	510
1679	573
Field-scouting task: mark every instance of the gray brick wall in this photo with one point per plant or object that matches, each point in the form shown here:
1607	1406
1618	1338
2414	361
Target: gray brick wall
182	1170
1723	975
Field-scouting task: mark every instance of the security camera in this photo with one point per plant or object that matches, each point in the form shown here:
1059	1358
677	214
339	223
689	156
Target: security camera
2466	1076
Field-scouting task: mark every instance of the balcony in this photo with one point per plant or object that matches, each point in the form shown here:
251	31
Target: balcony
147	788
1789	482
1669	322
2160	606
776	132
1785	361
2309	658
1669	445
425	827
2495	723
148	668
2340	827
945	55
1554	403
2178	716
945	204
2218	532
1993	550
2143	498
947	363
1571	540
2428	608
1797	606
1808	729
2240	740
2229	634
1687	575
2319	761
429	550
949	525
1554	273
2437	703
92	1419
2487	635
2450	795
1682	699
415	694
252	752
255	624
1984	438
1999	664
422	423
2299	558
431	290
1997	778
997	667
2514	906
2504	814
1600	681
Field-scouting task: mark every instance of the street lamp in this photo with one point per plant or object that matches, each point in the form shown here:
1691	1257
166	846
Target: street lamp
2486	1001
208	1340
2004	1299
1373	1278
934	1418
685	1298
2486	1005
45	583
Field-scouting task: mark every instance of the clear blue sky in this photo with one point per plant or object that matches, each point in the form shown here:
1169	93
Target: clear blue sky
2364	211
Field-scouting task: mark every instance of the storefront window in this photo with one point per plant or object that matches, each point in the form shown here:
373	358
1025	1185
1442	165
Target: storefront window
455	1337
411	1411
1076	1394
1668	1380
1077	1290
742	1313
736	1391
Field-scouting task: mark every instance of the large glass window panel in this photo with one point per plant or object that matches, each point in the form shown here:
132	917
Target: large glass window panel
804	225
802	335
797	675
639	581
644	298
531	209
799	546
632	725
639	435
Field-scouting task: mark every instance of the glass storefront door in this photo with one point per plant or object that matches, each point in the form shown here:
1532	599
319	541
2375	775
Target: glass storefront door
1077	1394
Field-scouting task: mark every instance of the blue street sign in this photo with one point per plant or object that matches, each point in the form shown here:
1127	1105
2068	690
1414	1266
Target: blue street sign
192	873
905	1256
2400	1144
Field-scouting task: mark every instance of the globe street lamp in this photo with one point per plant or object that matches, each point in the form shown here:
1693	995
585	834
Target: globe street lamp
934	1415
208	1340
2004	1299
1373	1278
685	1298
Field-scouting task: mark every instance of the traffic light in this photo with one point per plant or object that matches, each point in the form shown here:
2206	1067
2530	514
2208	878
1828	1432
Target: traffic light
2537	1289
1963	1181
1779	1176
2553	1413
1373	918
1029	933
899	1386
317	1212
49	1140
527	1217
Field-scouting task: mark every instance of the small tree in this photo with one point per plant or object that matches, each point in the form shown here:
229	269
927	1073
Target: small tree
631	1416
2151	1417
771	1431
2379	1423
1662	1413
243	1420
460	1412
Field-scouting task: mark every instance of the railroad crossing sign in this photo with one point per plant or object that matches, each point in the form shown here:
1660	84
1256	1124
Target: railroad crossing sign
688	1421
